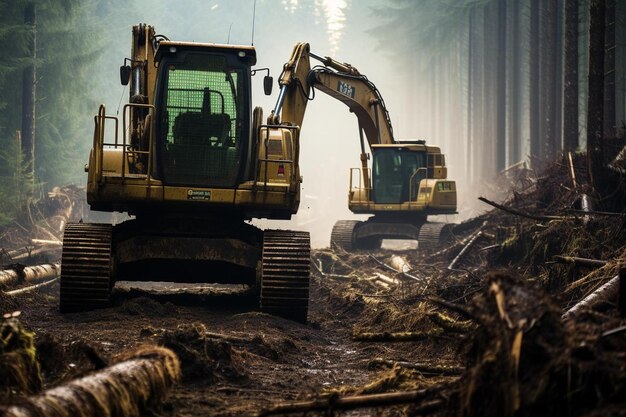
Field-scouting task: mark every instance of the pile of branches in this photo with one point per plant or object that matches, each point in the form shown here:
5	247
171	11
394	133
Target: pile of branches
557	247
39	229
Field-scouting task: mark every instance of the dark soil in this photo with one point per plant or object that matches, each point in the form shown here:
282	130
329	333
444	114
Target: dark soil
494	313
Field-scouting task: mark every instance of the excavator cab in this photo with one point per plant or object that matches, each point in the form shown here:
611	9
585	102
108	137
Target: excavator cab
396	175
203	115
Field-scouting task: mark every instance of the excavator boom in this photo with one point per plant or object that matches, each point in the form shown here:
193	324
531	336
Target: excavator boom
407	180
339	80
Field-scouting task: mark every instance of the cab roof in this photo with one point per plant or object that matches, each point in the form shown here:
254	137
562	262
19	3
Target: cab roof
245	52
415	147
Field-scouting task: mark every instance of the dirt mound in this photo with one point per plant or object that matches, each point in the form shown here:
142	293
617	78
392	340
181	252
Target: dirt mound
19	368
146	306
61	361
203	358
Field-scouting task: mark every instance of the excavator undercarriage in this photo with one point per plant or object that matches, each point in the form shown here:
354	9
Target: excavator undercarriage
351	235
275	263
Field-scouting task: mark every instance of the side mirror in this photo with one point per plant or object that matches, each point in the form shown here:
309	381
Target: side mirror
125	74
268	82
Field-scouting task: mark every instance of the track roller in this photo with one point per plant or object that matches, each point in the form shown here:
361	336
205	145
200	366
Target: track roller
342	236
86	281
285	270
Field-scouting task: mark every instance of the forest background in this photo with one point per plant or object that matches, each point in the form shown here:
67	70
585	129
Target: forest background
493	82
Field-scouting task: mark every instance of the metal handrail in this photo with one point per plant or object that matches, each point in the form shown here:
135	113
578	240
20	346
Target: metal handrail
126	145
99	143
98	140
360	186
295	149
411	183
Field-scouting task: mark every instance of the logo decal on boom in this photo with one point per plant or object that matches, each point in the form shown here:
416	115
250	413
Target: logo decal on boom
345	89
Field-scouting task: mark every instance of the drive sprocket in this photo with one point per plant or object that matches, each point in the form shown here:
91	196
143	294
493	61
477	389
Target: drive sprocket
285	272
86	266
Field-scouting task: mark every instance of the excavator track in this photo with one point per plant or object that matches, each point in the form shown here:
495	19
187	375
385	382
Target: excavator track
342	235
85	267
285	274
433	234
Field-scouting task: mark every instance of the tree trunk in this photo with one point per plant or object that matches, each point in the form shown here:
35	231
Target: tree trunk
595	108
479	106
29	83
570	77
548	79
471	41
501	88
609	69
620	66
534	102
515	84
489	95
558	76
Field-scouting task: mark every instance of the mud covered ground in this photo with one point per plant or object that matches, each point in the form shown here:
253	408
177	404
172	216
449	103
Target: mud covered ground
477	323
235	360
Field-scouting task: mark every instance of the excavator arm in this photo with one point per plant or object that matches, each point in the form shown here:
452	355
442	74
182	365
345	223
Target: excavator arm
339	80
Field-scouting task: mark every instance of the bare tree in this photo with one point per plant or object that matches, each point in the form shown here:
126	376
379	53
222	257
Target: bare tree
29	83
570	77
595	109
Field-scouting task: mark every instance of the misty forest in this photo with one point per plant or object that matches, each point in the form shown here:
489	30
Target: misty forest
313	207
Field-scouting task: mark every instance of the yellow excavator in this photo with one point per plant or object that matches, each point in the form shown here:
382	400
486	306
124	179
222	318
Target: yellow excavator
194	162
408	179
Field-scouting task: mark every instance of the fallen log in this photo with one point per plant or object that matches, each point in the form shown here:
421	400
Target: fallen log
586	206
578	261
126	389
428	368
521	213
384	278
465	248
391	268
46	242
571	169
607	292
32	287
20	273
449	324
359	401
397	336
400	264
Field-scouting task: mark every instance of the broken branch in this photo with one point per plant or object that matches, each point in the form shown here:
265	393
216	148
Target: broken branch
421	367
356	401
520	213
607	292
578	261
396	337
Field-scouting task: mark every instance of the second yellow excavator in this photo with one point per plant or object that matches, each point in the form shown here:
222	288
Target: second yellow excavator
407	180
